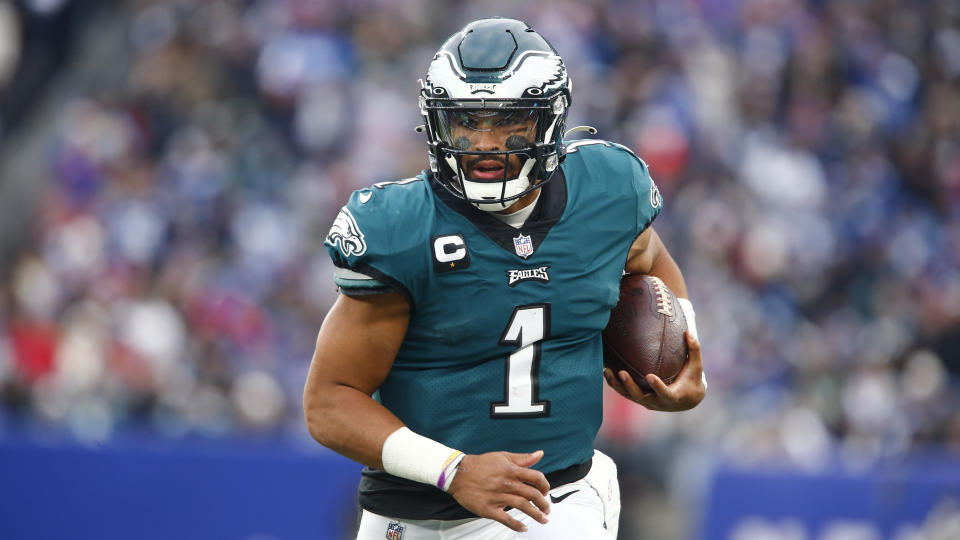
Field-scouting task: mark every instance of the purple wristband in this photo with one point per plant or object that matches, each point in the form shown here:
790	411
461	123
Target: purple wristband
443	473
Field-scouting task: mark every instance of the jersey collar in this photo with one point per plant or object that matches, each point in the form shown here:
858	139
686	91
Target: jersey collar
547	211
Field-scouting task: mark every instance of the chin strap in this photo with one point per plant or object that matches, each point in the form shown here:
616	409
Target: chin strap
521	180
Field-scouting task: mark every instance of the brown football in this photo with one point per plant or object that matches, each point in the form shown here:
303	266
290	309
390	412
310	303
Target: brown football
646	331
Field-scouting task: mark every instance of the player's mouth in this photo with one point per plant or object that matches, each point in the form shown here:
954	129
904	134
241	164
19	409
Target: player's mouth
487	169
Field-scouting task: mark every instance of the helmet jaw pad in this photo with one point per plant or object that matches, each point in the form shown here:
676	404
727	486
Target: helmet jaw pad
493	196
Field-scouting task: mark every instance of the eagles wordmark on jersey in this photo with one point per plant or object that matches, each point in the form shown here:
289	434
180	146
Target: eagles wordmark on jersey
515	276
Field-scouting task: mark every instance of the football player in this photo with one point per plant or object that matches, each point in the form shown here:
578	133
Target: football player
462	361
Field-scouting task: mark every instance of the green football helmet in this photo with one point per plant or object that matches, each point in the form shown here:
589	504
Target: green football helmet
494	103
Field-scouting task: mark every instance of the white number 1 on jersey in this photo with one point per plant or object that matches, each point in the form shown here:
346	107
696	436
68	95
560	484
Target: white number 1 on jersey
528	327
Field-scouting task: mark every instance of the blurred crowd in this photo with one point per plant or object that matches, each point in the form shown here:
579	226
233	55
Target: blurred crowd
808	152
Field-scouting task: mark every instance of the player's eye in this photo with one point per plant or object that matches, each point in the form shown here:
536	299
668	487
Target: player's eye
467	121
515	118
510	119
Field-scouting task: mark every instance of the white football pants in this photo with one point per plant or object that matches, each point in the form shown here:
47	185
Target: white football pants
592	502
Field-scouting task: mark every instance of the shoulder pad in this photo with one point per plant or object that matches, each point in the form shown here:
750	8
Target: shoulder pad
617	167
380	234
375	214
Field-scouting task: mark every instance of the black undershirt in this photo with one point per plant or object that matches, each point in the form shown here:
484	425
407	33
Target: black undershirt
390	496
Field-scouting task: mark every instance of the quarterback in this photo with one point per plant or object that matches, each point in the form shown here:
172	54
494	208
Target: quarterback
462	361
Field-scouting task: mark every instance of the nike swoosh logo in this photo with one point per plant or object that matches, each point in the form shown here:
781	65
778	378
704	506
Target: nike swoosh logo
364	197
555	500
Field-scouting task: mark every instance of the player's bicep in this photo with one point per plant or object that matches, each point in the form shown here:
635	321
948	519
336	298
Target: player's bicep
643	252
359	340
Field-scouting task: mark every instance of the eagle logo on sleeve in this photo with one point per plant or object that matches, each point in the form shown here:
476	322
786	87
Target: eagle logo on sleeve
345	234
655	199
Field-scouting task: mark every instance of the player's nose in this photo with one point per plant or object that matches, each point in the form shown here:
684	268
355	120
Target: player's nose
487	141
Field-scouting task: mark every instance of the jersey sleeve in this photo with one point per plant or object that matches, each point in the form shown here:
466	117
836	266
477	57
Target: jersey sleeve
354	283
649	201
624	177
373	248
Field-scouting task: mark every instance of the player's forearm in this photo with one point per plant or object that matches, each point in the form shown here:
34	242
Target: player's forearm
664	267
649	256
332	411
381	441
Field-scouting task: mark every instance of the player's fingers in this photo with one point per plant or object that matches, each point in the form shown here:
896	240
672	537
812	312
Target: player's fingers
660	388
531	509
524	460
535	478
692	370
529	493
526	507
631	386
652	402
693	345
503	517
614	383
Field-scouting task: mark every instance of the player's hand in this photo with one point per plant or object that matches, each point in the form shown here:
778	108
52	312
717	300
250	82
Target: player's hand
487	483
685	392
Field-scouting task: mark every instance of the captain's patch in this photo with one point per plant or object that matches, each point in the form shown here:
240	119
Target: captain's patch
527	274
449	253
345	234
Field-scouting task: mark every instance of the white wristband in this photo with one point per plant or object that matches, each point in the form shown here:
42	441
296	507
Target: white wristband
687	307
415	457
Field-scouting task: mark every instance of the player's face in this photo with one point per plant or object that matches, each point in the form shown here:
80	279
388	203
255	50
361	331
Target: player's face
488	131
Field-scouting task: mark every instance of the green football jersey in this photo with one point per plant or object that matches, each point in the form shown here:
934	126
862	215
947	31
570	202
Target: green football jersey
503	348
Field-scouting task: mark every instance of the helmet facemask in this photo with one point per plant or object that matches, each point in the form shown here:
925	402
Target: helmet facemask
494	103
491	152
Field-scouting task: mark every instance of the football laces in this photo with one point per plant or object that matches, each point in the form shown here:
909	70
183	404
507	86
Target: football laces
664	305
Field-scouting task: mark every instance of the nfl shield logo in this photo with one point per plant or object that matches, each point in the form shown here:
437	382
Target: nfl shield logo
394	530
523	246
